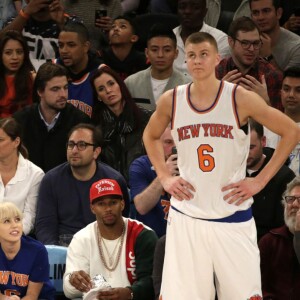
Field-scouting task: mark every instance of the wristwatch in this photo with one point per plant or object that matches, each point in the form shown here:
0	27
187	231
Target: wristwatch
131	292
268	58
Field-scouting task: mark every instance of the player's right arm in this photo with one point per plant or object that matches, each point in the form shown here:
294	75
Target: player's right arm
153	131
174	185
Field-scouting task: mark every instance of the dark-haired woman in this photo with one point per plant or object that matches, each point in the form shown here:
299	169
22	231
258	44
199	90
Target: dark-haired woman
16	73
19	178
121	120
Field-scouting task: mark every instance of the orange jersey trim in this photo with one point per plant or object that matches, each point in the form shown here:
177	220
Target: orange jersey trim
234	106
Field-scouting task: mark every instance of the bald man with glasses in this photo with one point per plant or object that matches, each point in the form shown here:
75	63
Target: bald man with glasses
246	67
63	201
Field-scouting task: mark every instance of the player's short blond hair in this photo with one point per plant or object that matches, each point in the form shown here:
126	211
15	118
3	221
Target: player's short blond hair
201	37
9	210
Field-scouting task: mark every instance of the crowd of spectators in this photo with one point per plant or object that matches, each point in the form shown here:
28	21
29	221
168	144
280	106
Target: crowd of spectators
76	93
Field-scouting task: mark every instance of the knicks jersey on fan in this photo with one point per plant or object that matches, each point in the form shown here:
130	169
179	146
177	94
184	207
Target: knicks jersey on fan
212	151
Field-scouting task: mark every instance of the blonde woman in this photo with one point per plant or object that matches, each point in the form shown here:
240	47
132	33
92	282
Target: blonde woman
24	261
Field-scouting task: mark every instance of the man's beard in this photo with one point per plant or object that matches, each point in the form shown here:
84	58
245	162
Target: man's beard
290	221
57	107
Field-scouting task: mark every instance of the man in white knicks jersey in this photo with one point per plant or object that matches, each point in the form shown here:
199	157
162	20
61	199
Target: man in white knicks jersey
211	235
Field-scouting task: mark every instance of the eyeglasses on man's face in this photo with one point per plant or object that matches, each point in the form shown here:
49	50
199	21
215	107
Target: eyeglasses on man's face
81	145
247	44
291	199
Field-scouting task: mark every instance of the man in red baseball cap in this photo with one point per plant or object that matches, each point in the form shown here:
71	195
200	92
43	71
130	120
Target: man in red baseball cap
118	248
107	204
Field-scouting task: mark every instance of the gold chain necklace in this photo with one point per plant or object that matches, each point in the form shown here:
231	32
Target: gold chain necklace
112	255
113	264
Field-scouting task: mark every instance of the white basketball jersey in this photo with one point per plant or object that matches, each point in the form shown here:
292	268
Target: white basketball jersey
212	151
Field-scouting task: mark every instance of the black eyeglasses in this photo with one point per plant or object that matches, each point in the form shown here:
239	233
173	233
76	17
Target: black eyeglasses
291	199
247	44
81	145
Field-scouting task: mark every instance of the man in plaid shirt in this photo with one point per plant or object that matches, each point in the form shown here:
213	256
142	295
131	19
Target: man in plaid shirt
245	67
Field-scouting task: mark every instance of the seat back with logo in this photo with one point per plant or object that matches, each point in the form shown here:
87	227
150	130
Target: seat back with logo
57	261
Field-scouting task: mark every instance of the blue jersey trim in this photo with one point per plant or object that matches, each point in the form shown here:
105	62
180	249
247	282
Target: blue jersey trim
237	217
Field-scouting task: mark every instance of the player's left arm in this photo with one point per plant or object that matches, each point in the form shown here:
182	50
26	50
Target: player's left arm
249	104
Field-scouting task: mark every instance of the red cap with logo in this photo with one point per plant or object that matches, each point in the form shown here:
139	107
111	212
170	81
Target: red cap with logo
105	187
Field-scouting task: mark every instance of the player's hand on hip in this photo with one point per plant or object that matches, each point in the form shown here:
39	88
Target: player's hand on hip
241	190
178	187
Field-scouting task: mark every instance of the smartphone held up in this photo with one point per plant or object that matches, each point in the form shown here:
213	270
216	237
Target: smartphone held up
99	13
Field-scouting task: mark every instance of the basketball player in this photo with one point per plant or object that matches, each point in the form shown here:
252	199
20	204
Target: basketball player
211	235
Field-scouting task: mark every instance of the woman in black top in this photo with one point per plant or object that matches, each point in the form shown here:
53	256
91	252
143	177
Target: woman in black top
121	120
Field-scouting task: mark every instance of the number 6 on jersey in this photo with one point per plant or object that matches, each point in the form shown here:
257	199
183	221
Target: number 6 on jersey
206	161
